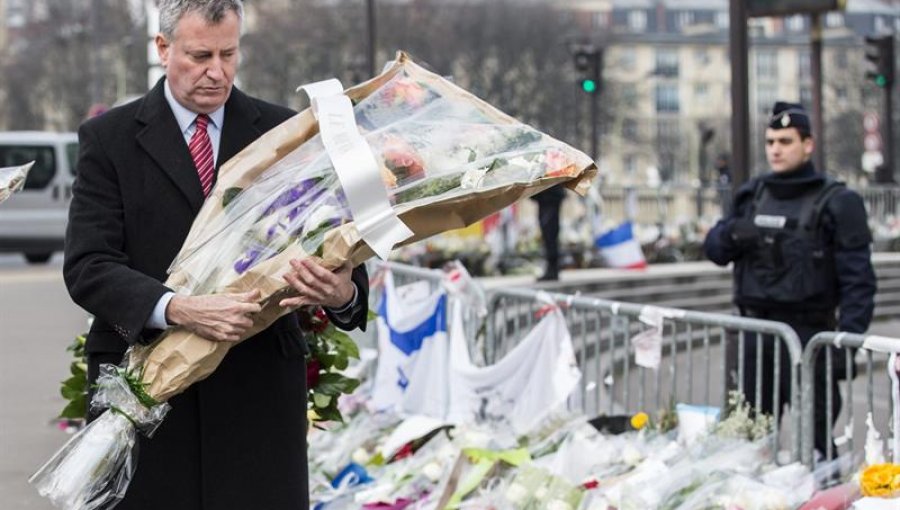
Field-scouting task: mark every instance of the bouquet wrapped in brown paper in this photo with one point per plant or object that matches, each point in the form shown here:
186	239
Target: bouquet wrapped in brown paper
435	158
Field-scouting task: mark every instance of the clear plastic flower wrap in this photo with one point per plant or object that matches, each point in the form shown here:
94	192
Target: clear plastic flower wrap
12	179
445	159
94	468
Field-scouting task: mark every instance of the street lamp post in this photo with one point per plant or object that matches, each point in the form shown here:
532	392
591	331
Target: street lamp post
370	16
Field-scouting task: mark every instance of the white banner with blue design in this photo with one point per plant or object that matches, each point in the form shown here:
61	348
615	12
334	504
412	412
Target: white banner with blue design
412	342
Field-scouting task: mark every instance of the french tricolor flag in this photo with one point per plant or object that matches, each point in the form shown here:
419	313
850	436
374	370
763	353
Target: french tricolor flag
620	249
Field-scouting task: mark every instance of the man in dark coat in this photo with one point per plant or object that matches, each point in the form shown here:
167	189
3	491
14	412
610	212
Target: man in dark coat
236	440
549	202
792	266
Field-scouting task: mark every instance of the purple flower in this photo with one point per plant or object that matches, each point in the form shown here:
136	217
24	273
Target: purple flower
291	195
247	260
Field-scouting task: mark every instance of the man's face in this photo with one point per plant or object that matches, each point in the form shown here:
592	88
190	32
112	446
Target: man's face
201	60
786	150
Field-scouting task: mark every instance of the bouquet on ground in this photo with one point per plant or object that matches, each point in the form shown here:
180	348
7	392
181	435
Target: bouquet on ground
425	157
12	179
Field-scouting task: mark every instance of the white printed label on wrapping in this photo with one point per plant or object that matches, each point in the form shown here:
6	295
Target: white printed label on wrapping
472	179
356	168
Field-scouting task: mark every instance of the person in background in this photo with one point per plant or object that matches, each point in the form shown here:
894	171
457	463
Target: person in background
236	440
800	245
549	203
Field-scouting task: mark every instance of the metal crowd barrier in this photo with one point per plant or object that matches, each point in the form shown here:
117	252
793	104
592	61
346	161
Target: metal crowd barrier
693	368
871	382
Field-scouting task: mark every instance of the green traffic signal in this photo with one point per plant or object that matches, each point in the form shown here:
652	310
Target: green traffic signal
589	86
881	80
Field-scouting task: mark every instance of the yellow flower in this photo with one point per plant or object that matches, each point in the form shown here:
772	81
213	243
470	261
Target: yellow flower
639	420
312	415
880	480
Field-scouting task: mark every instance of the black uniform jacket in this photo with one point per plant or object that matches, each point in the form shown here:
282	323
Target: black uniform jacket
845	226
237	439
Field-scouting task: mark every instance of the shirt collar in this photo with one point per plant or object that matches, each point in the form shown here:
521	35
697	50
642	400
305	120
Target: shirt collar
185	117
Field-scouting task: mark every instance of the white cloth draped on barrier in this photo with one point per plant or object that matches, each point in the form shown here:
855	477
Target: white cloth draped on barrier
424	371
533	380
412	335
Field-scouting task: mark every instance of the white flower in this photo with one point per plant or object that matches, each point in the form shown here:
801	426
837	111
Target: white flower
433	471
541	493
319	215
360	456
516	494
631	455
557	504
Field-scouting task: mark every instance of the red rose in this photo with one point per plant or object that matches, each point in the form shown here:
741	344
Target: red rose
312	373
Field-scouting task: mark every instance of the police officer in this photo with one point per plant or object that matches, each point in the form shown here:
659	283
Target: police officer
800	245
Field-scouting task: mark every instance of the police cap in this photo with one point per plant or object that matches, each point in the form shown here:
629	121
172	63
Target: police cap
790	115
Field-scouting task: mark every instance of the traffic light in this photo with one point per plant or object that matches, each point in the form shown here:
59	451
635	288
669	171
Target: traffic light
588	66
880	53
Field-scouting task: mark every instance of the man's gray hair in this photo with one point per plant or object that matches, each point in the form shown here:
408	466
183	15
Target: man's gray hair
213	11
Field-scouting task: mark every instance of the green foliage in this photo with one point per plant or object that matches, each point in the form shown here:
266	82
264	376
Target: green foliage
229	195
74	388
330	352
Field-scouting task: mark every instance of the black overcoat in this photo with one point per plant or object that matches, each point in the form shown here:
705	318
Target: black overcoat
236	440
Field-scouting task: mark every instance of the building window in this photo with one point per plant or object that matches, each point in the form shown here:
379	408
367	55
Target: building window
601	20
666	166
629	95
767	64
805	95
637	21
684	19
795	23
667	131
840	59
840	93
630	164
804	61
722	19
629	129
701	90
834	20
628	58
667	63
667	98
701	56
766	95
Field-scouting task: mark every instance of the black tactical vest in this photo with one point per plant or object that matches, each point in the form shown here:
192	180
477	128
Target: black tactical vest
792	265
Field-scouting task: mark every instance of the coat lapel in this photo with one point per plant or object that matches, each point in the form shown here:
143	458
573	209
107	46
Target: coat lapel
240	126
161	138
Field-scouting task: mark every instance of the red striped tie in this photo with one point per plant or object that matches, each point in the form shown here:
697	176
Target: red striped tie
202	153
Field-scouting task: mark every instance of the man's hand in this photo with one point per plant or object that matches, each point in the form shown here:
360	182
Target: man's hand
316	285
218	317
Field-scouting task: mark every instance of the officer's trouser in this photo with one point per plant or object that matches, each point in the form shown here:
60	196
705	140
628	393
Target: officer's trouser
805	331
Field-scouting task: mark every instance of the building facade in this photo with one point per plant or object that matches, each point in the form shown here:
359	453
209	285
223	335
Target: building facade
667	82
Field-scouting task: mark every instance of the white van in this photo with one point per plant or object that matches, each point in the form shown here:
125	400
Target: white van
33	220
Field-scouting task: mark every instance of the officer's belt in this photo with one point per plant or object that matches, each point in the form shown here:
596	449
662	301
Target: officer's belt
826	317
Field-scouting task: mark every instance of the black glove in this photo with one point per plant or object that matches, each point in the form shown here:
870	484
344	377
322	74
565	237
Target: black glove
743	233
